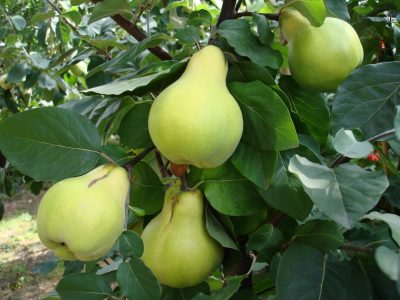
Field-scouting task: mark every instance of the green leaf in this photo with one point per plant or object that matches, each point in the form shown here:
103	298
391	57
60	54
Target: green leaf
230	193
217	231
129	242
397	123
199	17
344	194
120	86
346	144
74	16
390	219
86	286
247	71
338	8
388	261
42	16
304	273
267	122
256	165
266	241
323	235
313	10
285	197
188	35
169	293
239	36
310	107
18	72
147	191
367	99
18	22
231	287
109	8
46	82
134	131
137	282
62	145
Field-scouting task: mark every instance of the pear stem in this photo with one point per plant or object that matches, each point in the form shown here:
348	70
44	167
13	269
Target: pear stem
161	166
184	183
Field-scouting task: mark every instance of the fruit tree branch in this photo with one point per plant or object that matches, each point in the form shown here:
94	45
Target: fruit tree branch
341	159
134	31
356	248
274	17
227	11
129	165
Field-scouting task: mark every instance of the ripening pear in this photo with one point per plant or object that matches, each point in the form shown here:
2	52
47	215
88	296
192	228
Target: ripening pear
196	120
320	58
177	246
79	69
80	218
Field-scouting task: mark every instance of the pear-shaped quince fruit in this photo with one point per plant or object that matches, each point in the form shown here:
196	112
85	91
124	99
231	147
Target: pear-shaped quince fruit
79	69
196	120
320	58
177	246
80	218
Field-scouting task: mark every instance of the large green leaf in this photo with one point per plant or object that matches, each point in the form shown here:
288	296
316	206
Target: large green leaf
265	241
310	106
230	193
136	280
391	219
304	274
282	194
239	36
50	143
367	99
267	122
256	165
388	261
147	191
129	242
217	231
346	144
169	293
344	194
134	131
323	235
232	285
83	286
109	8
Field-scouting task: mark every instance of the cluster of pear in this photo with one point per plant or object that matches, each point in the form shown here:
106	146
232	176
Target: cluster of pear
80	218
320	58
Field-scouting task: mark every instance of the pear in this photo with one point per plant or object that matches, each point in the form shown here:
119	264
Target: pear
177	246
196	120
3	82
80	218
79	69
320	58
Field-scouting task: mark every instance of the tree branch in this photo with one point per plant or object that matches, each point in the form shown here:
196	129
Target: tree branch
227	11
134	31
356	248
274	17
129	165
341	159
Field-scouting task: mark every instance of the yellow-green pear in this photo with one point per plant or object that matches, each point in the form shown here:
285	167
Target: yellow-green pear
3	82
79	69
320	58
177	246
196	120
80	218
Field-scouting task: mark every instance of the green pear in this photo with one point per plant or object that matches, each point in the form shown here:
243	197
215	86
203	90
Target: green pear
177	246
320	58
80	218
79	69
196	120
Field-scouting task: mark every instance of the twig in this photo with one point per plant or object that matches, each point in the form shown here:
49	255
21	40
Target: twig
343	159
129	165
355	248
227	11
274	17
161	166
134	31
277	219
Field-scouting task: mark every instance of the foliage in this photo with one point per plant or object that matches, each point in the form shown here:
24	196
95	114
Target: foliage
302	208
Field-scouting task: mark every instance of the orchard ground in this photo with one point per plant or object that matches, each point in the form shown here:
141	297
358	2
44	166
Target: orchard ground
24	262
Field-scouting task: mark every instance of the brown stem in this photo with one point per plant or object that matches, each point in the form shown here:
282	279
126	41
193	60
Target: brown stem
129	165
274	17
161	166
277	219
134	31
227	11
355	248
